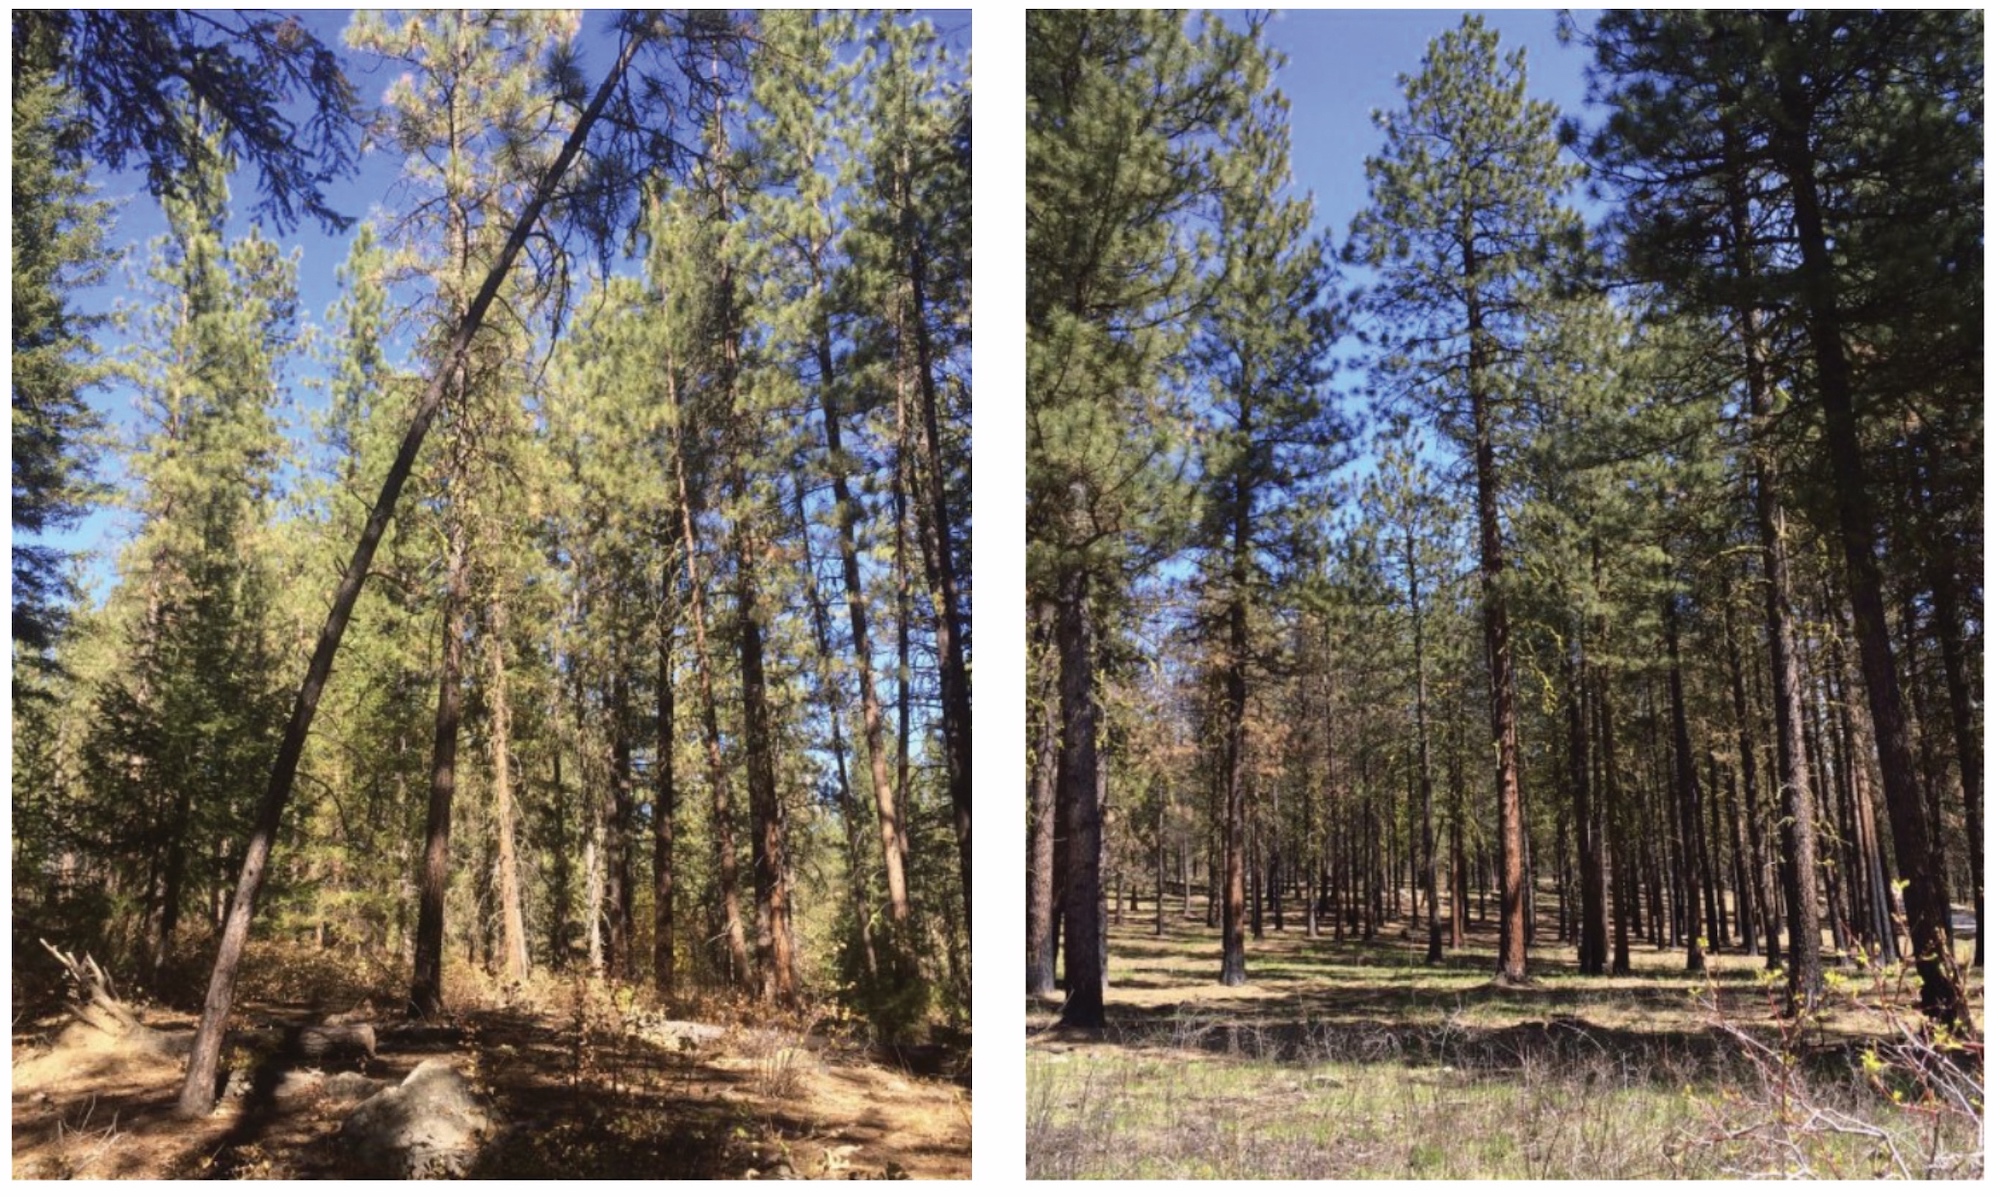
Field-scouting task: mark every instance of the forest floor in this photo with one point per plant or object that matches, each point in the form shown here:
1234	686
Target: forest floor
1349	1059
578	1090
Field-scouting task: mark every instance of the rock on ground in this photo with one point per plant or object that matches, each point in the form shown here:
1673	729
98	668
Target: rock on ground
431	1125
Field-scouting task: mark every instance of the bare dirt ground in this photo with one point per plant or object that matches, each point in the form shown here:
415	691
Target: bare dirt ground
572	1099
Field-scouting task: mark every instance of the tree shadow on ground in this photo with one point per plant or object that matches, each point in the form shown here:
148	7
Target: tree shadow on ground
1358	1001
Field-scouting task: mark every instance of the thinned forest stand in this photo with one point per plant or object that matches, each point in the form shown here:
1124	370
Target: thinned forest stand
197	1097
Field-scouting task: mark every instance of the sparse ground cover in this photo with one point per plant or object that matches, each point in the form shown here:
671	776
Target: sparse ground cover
1348	1059
579	1083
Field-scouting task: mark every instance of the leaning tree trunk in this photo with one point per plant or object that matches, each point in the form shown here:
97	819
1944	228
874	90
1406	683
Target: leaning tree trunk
197	1095
846	512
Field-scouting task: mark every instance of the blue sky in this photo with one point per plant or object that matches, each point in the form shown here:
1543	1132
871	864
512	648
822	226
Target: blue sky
1344	65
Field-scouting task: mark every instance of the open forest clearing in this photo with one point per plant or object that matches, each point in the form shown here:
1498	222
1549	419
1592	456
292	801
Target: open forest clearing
492	596
1539	500
1345	1058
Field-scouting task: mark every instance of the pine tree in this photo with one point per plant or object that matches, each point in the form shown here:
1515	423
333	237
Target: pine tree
58	239
1835	179
1118	175
190	717
1468	234
1269	429
197	1092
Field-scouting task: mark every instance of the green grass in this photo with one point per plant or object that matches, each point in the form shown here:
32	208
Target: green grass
1350	1060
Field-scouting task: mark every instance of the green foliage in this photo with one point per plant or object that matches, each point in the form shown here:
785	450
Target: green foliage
896	995
58	247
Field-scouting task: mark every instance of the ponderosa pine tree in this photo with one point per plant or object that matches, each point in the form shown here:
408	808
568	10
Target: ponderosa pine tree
476	123
1403	499
1269	430
1468	233
913	244
804	96
1121	107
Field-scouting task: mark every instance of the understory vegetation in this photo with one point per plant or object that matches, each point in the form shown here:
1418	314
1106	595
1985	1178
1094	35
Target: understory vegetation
1358	1060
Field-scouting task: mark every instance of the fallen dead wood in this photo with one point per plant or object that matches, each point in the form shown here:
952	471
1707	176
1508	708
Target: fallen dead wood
98	1013
315	1042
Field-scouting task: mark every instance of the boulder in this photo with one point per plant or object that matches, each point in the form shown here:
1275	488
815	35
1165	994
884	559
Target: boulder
430	1126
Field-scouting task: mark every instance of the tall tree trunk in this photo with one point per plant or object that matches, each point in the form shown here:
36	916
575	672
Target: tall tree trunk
1798	858
940	558
427	976
1947	623
197	1095
1235	701
665	800
767	849
1434	952
506	863
618	831
1591	955
720	804
1943	994
1076	790
1042	887
559	913
888	815
1624	865
1753	801
1513	966
851	816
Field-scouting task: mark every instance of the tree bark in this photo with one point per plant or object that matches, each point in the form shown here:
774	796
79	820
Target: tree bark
1687	791
1235	702
427	979
940	558
720	803
1591	955
665	800
1513	966
506	865
767	850
1076	790
1042	824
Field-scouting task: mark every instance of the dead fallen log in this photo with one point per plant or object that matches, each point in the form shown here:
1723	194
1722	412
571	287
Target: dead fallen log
314	1043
